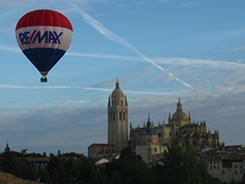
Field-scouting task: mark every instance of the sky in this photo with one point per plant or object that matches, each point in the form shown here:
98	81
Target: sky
159	50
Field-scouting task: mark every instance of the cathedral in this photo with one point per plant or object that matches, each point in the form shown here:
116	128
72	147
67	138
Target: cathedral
149	140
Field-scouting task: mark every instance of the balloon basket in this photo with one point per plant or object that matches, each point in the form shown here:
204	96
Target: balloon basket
44	79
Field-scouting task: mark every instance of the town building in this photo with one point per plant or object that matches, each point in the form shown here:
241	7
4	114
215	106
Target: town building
100	151
150	141
226	164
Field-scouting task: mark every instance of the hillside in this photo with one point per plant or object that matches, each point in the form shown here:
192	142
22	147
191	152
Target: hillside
6	178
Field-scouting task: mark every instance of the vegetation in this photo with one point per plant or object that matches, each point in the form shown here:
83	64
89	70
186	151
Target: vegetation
183	166
6	178
178	167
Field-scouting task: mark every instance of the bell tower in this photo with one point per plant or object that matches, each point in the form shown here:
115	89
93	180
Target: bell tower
118	119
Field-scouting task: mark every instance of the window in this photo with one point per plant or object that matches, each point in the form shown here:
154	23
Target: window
124	116
121	102
114	116
155	149
223	172
120	115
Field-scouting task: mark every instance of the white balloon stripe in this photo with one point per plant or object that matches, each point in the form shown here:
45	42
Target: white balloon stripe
44	37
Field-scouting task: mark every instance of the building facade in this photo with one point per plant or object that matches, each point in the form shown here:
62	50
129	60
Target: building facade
226	164
179	130
117	115
118	119
99	151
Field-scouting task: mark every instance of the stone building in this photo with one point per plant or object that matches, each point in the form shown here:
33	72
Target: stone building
146	143
99	151
150	141
227	164
117	127
118	119
179	130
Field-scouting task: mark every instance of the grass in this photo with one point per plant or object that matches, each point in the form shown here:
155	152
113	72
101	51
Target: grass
6	178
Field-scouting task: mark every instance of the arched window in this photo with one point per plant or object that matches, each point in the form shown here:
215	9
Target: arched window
121	102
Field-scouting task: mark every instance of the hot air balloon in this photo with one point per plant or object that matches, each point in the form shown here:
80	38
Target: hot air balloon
44	36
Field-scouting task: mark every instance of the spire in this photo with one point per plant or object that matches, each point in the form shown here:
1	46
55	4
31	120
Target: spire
7	149
169	118
117	85
126	100
179	105
148	124
109	101
189	116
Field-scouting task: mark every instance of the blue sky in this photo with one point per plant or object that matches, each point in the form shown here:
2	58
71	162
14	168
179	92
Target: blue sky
158	49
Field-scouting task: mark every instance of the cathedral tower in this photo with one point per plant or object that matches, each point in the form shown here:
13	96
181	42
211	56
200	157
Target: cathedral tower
118	119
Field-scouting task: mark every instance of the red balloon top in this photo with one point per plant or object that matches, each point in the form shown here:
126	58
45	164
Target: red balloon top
44	18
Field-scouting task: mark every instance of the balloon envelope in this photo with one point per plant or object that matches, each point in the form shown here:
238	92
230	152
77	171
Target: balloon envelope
44	36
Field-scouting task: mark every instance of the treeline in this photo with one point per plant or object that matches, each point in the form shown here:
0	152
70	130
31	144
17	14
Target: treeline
178	167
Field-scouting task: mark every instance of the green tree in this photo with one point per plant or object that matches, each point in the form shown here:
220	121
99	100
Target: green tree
182	166
128	169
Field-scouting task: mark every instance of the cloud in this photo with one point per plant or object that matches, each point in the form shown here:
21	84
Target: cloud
8	86
51	128
158	60
72	127
200	62
238	49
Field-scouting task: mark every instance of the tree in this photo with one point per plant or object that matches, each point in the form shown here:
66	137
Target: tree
182	166
128	169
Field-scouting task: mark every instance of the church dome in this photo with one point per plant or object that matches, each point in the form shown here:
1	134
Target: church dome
117	91
179	114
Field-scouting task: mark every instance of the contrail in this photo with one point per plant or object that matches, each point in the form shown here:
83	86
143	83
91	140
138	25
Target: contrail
10	49
112	36
7	86
159	60
104	56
